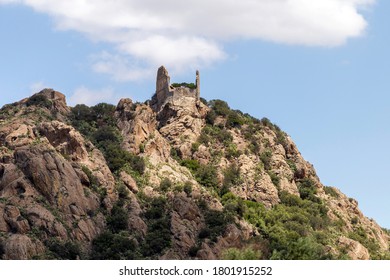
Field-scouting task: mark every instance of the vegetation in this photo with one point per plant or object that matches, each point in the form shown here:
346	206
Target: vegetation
158	237
109	246
231	178
61	250
188	85
98	124
331	191
241	254
216	223
2	251
39	100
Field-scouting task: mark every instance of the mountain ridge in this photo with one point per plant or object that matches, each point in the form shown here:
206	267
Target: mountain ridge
175	177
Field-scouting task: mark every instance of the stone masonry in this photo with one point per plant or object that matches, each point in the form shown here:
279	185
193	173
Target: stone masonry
165	92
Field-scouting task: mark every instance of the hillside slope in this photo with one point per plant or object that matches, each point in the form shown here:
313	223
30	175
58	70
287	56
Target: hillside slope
175	177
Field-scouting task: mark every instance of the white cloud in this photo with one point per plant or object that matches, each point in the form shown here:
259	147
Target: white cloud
84	95
189	34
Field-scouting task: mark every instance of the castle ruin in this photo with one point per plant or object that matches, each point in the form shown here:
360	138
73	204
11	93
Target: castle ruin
166	92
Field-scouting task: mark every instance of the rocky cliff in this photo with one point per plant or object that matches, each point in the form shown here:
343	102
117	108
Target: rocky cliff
182	180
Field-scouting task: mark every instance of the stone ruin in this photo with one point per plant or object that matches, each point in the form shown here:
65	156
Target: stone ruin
165	92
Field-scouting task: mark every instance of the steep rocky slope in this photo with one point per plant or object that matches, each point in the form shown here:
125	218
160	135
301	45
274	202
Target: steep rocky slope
187	179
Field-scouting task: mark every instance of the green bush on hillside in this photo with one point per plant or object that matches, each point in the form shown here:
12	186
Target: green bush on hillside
110	246
39	100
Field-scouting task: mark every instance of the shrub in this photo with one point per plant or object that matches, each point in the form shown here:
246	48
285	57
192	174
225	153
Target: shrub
193	251
233	204
274	178
331	191
266	158
82	112
220	107
165	184
187	188
118	220
195	147
191	164
210	117
307	189
158	236
109	246
207	176
188	85
241	254
39	100
231	177
216	222
63	250
232	151
2	251
106	133
234	119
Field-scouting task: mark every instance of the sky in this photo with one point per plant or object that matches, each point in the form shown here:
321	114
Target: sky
319	69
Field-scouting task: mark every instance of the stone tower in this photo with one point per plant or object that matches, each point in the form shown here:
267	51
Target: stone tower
166	93
162	84
197	85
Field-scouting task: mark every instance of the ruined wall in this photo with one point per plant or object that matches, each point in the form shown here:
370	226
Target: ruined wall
165	92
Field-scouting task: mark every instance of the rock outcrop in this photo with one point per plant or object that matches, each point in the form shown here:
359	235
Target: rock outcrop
172	178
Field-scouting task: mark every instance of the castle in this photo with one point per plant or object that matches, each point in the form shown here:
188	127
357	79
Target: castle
166	92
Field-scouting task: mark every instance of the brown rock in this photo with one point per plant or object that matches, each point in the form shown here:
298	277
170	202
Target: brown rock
16	222
130	183
41	218
21	247
186	222
355	250
3	224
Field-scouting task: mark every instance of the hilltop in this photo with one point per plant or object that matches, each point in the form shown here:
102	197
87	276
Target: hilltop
175	177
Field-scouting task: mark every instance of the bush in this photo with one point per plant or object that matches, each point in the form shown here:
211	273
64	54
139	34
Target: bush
158	237
331	191
165	184
266	158
231	177
274	178
220	107
307	190
234	119
63	250
187	188
39	100
188	85
241	254
193	251
109	246
216	222
211	134
118	220
207	176
2	251
191	164
210	117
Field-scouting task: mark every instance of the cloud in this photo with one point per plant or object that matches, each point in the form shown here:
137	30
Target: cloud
84	95
189	34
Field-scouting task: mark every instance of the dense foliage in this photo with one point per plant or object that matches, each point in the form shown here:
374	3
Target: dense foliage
98	124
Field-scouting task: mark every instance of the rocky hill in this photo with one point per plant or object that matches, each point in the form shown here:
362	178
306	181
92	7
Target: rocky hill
175	177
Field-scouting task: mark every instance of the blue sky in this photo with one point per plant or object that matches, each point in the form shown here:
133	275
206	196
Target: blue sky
318	69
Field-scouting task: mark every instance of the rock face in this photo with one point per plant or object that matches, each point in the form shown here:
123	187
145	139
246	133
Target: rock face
188	180
355	250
